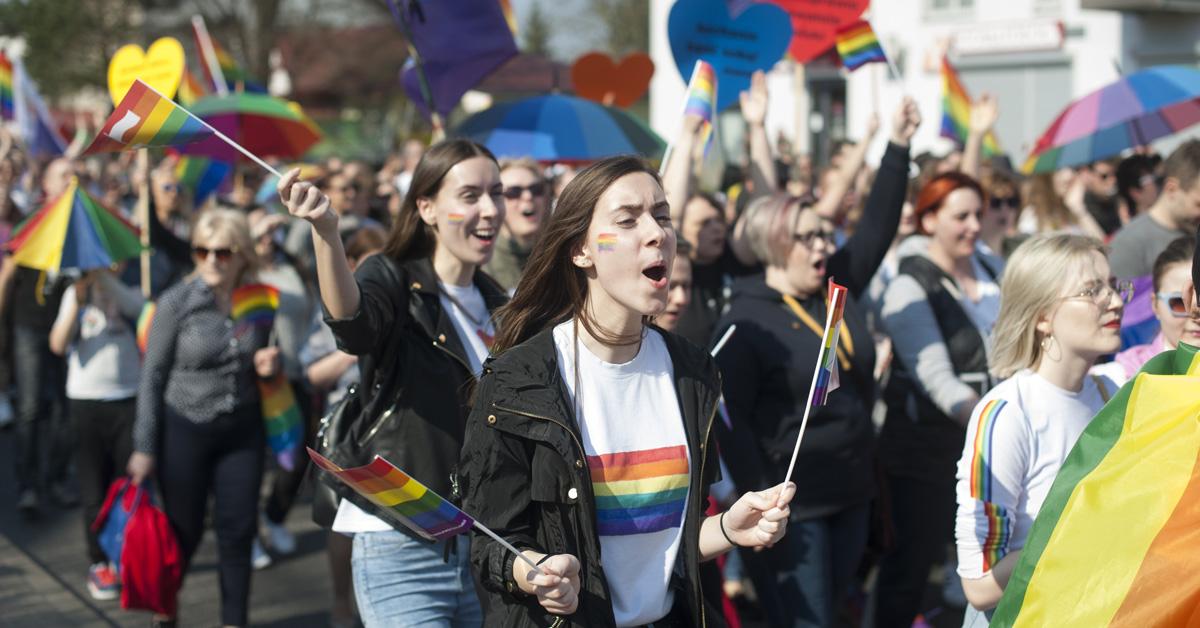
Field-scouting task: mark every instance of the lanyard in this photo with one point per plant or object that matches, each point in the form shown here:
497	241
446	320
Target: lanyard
845	346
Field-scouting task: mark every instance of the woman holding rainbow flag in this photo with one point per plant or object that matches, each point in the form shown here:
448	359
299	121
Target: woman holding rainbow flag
199	425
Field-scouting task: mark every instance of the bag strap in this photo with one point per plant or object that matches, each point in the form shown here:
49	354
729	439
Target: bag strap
1104	396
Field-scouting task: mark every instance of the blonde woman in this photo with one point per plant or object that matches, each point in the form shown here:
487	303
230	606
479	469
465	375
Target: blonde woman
1051	329
198	408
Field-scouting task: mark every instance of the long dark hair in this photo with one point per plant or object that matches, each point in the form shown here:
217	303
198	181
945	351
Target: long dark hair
552	288
410	238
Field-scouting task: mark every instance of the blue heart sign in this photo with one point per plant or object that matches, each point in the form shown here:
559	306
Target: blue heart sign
735	47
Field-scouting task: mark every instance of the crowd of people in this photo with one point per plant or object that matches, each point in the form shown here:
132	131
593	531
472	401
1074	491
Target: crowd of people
533	343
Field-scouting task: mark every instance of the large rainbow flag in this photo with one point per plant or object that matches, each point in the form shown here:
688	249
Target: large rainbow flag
1115	542
956	111
401	497
857	45
701	99
146	118
6	88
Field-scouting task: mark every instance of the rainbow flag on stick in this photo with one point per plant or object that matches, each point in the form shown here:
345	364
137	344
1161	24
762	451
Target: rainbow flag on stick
1115	541
6	88
825	380
956	111
408	502
857	45
190	89
702	98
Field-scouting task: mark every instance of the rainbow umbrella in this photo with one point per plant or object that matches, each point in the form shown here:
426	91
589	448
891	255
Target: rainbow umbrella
560	128
73	231
1136	110
264	125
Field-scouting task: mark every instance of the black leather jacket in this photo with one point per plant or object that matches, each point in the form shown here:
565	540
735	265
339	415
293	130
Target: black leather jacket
525	476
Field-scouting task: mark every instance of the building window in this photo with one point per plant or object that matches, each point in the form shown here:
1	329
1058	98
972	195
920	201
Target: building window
949	8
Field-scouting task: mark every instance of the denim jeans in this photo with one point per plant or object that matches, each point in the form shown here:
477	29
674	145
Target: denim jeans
42	424
401	581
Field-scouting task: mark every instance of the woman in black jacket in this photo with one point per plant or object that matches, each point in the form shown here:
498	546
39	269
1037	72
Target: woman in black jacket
419	316
768	365
591	430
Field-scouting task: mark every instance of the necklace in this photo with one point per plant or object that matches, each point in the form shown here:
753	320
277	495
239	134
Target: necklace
485	337
845	346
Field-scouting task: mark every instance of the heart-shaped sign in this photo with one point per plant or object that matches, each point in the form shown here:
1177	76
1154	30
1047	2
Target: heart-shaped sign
815	24
597	77
735	46
161	67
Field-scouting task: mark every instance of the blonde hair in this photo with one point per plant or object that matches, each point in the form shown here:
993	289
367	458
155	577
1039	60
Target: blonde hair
232	223
526	163
770	222
1036	277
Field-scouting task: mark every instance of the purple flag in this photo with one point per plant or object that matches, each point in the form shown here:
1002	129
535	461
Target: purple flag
460	43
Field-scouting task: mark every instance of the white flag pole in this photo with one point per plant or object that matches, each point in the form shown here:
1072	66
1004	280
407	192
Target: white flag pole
210	55
812	389
508	546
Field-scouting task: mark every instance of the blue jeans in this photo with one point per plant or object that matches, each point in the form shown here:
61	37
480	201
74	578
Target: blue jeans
801	581
401	581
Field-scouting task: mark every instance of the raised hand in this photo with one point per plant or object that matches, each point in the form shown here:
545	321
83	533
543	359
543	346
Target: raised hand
303	200
905	121
754	101
759	519
984	113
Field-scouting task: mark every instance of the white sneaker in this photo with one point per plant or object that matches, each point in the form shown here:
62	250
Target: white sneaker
259	558
279	538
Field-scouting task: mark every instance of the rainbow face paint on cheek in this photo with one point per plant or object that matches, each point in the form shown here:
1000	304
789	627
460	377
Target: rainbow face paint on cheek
456	218
607	242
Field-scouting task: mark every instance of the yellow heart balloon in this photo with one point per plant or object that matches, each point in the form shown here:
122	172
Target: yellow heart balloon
161	67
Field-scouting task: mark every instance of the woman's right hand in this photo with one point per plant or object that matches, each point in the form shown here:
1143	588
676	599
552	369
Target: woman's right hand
304	200
140	466
557	588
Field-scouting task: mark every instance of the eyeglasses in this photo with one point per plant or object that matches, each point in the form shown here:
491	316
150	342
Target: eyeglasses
1174	303
996	202
201	253
1102	293
514	192
807	238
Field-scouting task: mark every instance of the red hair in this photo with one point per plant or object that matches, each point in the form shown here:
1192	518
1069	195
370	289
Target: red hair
933	194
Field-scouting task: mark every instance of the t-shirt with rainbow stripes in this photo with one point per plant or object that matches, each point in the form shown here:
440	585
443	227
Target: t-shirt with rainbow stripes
637	452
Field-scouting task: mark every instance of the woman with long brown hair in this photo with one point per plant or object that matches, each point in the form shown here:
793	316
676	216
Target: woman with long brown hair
591	431
419	316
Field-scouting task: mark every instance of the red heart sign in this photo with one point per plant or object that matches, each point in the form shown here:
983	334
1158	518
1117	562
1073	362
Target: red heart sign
815	24
596	77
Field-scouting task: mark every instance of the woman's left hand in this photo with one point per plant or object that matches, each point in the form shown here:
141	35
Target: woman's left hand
266	362
759	519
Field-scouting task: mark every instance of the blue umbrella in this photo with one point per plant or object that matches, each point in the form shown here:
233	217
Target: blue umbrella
560	128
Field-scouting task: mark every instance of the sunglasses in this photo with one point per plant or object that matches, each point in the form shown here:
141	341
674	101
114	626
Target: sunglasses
202	253
996	202
1174	303
514	192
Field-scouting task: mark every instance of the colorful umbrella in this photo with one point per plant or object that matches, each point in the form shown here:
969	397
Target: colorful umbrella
1133	111
560	128
264	125
73	231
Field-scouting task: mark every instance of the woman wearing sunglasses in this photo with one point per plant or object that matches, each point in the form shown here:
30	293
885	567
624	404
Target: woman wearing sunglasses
199	424
1052	328
527	197
1172	275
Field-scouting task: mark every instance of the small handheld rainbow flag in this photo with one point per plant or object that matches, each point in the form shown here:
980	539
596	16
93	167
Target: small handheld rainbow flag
285	428
702	98
254	305
147	118
857	45
6	88
825	379
956	111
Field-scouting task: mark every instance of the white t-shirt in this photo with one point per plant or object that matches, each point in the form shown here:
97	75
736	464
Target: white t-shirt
103	363
1019	435
477	341
637	451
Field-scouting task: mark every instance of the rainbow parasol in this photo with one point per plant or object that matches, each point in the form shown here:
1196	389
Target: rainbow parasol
262	124
73	231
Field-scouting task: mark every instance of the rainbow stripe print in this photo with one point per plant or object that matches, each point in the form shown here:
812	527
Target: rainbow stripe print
143	325
401	497
282	418
702	99
640	492
146	118
456	218
956	111
827	364
607	242
999	527
857	45
254	305
6	88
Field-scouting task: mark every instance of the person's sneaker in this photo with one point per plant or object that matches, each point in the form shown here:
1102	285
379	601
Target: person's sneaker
64	495
102	582
259	558
279	538
27	503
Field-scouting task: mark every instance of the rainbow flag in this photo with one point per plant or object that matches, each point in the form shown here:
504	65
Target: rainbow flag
827	366
956	111
202	176
1114	543
701	99
143	325
401	497
146	118
858	45
6	88
285	428
190	89
1139	325
254	305
640	492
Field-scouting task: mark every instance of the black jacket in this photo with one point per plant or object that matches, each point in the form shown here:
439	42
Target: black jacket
525	476
416	378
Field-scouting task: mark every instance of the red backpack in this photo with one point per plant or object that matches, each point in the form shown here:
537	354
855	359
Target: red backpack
149	559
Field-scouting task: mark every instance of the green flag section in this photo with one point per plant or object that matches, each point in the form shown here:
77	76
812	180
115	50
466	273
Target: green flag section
1116	541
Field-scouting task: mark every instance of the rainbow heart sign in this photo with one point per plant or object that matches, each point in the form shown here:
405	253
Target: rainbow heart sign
735	47
815	24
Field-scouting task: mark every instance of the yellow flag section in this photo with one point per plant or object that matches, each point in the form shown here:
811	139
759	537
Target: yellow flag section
1116	541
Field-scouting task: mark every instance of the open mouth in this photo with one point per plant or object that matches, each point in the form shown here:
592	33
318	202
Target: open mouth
486	234
819	265
657	274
